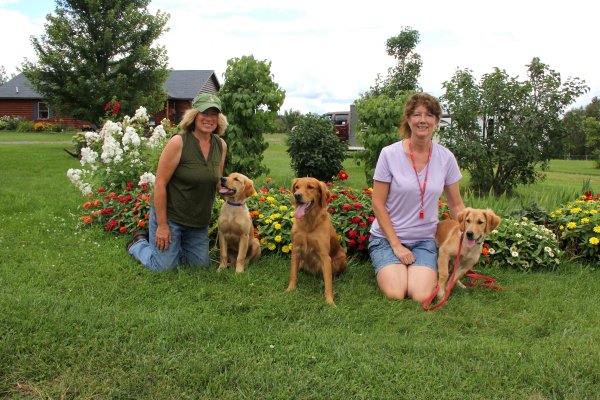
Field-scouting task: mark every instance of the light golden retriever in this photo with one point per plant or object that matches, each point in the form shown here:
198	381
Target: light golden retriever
315	244
237	243
472	224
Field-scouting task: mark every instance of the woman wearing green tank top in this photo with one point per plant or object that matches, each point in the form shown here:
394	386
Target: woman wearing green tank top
187	176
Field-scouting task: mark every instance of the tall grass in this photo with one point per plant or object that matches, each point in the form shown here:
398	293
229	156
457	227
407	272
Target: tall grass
80	319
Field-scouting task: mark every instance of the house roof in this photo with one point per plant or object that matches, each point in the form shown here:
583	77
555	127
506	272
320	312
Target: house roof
186	84
181	84
18	88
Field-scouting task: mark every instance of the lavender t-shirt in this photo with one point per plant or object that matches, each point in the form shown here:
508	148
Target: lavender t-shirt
404	198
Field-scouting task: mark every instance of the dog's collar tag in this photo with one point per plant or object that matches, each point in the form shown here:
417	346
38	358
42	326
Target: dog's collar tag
231	203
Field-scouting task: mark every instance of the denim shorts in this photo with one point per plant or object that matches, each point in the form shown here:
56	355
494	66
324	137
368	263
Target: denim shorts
381	253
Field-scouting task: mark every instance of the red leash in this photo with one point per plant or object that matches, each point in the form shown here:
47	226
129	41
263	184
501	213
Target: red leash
488	283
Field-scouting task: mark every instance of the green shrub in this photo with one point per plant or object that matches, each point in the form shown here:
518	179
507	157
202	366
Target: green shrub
25	126
9	123
315	149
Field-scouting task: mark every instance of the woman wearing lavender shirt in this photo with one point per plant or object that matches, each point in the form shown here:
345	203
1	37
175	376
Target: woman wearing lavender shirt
409	178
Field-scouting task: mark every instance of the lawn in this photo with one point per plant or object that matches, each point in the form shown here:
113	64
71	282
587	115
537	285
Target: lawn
81	319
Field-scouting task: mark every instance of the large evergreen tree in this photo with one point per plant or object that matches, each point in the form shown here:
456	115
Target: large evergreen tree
93	51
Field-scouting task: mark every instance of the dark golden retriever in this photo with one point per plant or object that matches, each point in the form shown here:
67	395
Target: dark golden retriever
237	243
472	225
315	245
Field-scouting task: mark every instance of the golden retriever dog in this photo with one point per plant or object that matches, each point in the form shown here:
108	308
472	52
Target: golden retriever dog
315	244
237	243
472	225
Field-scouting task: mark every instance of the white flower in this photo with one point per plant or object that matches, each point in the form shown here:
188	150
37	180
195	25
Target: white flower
158	135
140	115
88	156
111	128
111	150
491	251
92	137
147	177
515	254
131	137
519	236
76	177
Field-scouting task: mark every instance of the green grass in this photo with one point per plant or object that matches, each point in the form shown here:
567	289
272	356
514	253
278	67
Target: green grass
13	136
80	319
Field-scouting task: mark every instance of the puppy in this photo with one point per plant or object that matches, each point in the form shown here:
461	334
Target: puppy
315	245
472	225
237	243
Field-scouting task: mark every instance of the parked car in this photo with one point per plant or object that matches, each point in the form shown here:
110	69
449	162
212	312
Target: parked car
341	121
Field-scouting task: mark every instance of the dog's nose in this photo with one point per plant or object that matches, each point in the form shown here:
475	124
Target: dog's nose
470	235
298	197
223	181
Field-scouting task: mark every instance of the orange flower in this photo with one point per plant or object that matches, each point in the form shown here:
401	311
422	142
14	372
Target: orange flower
87	204
485	251
142	223
123	229
86	219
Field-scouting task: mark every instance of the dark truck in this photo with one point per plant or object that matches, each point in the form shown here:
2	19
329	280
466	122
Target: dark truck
341	121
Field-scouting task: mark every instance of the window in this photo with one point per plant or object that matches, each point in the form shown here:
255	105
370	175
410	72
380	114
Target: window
43	111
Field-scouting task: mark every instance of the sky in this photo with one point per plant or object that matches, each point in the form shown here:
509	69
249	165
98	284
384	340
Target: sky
325	53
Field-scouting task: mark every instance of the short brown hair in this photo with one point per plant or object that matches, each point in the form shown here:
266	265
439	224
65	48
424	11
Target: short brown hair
431	103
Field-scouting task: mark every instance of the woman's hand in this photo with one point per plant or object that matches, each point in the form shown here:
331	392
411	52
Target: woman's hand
162	238
405	256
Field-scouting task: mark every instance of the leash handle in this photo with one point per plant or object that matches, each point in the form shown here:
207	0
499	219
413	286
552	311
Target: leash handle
487	281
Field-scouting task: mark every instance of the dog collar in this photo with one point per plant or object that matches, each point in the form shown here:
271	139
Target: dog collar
231	203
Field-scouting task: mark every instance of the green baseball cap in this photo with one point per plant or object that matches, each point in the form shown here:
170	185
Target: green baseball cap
204	101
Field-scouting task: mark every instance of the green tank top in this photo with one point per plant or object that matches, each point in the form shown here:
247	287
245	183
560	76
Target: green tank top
193	186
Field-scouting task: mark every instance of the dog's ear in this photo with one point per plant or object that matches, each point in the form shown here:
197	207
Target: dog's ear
325	195
460	217
249	188
492	221
292	190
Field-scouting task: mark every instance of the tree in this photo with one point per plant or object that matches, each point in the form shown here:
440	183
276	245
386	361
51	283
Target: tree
577	143
94	51
502	129
3	76
251	100
289	119
380	109
591	127
405	75
593	109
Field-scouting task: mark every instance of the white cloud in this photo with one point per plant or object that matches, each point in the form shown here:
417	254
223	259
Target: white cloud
325	53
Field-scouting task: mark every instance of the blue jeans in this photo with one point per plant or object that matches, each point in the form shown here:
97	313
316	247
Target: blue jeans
188	246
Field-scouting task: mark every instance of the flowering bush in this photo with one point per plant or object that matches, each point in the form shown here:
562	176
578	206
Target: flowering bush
521	244
577	225
117	171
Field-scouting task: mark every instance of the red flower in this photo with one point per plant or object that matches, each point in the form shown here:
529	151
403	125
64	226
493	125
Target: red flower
371	219
358	206
116	107
352	233
346	207
342	176
351	243
331	210
356	220
361	238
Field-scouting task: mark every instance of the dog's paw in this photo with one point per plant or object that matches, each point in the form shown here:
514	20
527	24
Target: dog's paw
222	267
460	284
441	293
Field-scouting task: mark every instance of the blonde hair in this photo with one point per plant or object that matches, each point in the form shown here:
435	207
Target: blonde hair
419	99
189	120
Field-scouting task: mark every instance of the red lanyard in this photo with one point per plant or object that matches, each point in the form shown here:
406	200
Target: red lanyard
421	188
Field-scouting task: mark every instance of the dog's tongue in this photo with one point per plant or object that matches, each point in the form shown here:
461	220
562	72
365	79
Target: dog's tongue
470	243
224	190
301	210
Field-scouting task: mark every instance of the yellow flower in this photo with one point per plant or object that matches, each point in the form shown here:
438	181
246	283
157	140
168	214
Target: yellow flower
285	249
268	221
264	240
561	227
270	199
278	238
283	208
597	229
575	210
271	246
277	225
594	240
593	211
571	225
584	220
